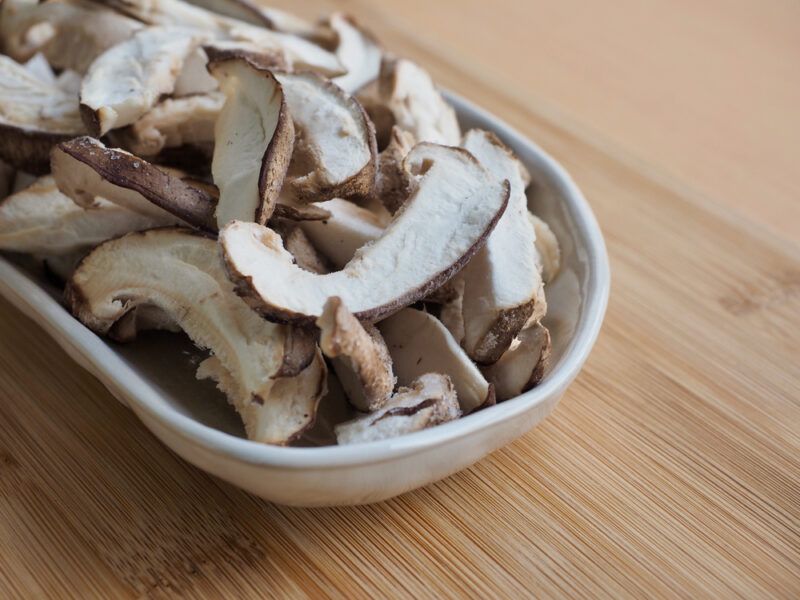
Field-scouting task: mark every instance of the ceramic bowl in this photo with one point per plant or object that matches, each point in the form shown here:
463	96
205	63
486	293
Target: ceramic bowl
155	375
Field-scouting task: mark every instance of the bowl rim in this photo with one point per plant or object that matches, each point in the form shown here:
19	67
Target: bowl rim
115	374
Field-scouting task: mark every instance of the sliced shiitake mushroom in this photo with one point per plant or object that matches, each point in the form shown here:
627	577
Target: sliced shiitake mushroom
522	366
78	32
254	139
358	354
173	123
34	116
85	169
406	96
357	50
454	208
264	16
428	401
418	343
547	247
502	284
298	52
127	80
335	151
179	273
42	220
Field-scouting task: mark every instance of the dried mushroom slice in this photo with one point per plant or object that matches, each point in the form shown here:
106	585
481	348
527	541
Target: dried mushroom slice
418	343
407	97
78	32
454	208
85	169
451	313
357	50
264	16
358	354
548	248
172	123
347	228
522	366
287	411
254	139
34	117
179	273
428	401
194	77
335	151
298	52
503	286
42	220
127	80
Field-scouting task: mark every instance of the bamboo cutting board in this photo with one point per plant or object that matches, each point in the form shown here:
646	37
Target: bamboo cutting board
672	465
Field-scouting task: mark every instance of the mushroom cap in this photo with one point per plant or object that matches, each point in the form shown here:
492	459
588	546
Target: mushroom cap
254	139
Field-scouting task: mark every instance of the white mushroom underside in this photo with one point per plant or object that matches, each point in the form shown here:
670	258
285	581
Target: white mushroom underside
127	80
418	343
358	52
454	206
430	401
333	130
504	274
28	102
243	131
182	275
42	220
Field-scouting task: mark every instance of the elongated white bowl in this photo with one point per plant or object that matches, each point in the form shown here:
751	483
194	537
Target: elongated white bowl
154	376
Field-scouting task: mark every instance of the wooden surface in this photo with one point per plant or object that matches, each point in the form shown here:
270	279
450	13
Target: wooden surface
672	465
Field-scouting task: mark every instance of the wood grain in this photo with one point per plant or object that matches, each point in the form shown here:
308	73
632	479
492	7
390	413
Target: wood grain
672	465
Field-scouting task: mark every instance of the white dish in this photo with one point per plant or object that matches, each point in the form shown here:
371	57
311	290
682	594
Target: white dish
193	419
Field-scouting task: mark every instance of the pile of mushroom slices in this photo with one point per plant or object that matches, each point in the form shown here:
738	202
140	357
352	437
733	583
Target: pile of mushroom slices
303	205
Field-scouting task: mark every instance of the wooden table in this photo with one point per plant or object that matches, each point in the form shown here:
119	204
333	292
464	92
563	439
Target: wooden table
671	467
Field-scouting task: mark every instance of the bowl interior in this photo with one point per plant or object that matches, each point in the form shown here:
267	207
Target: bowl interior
168	361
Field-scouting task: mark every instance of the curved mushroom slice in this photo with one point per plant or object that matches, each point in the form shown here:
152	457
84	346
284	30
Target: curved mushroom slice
358	354
428	401
42	220
172	123
454	208
502	283
127	80
254	139
288	410
85	169
335	151
418	343
299	53
547	247
392	184
347	228
407	97
34	116
521	367
77	32
357	50
180	274
256	14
